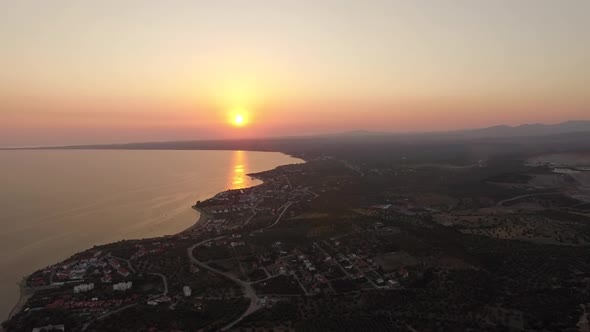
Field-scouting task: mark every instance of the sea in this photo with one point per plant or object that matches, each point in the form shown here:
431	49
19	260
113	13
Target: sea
54	203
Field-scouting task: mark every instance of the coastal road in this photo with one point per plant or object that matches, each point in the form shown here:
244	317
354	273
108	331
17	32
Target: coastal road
249	291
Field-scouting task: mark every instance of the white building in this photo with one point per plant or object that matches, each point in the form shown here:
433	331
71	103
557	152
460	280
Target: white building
122	286
83	288
187	291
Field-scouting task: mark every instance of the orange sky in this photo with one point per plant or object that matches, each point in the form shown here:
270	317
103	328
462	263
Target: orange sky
120	71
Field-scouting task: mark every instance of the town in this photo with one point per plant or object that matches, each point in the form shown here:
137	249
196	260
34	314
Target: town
333	234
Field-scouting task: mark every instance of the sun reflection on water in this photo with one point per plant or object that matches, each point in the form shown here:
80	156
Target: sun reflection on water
238	170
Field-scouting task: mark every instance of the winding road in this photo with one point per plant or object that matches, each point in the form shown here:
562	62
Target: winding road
249	291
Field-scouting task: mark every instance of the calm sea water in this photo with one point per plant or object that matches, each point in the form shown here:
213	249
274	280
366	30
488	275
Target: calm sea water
56	203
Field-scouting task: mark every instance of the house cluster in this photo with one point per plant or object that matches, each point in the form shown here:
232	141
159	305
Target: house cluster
219	225
80	284
270	301
95	304
400	211
81	267
318	267
356	254
142	250
93	266
234	244
228	208
118	266
307	270
233	208
310	274
229	202
77	269
83	288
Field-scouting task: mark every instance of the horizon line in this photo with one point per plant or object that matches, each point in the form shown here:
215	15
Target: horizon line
352	131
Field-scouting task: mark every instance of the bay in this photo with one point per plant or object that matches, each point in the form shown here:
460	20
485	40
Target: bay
54	203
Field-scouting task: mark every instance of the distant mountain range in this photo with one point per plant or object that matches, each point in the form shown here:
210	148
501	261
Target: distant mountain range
536	129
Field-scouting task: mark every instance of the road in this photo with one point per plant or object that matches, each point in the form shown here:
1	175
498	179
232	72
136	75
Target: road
124	260
163	280
110	313
247	288
301	285
286	206
334	258
253	212
310	192
501	203
353	168
249	291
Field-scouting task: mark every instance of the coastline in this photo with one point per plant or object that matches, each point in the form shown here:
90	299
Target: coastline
25	293
205	217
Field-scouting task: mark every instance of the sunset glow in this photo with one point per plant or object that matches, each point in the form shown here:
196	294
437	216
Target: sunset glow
106	72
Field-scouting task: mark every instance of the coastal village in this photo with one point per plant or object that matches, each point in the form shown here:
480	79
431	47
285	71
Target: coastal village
310	236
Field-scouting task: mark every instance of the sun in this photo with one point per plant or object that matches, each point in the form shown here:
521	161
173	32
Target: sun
238	117
239	120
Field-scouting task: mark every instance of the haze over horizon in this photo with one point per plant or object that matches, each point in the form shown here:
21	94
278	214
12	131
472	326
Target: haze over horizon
114	72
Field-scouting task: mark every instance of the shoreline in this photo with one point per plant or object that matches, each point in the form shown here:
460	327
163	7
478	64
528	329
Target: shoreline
25	293
204	217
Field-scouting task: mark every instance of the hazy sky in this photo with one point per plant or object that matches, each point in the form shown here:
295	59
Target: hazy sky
111	71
